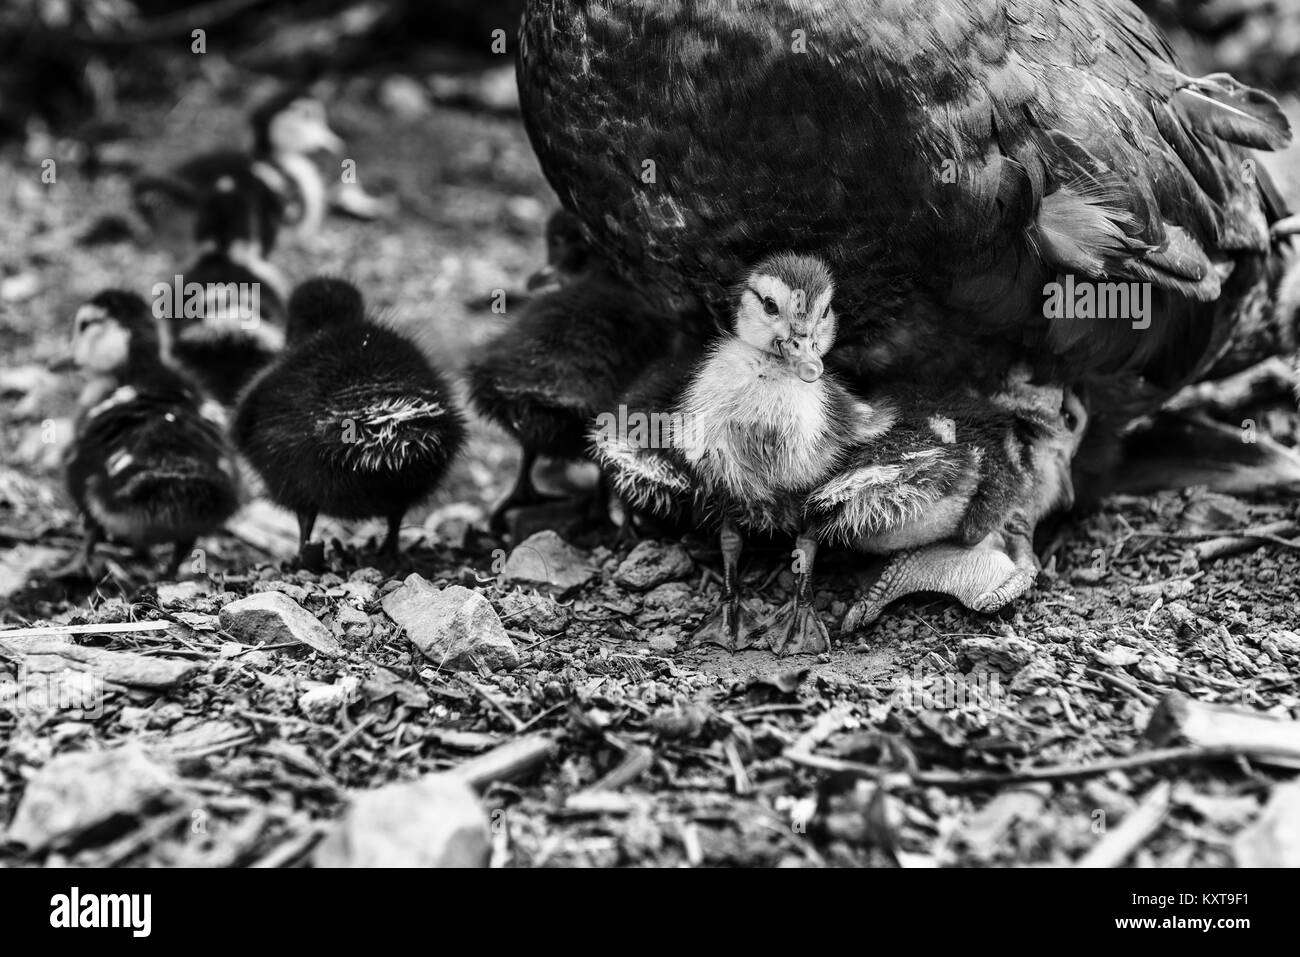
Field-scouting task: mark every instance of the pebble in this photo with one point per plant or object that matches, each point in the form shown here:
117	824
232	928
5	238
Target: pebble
547	562
272	617
453	627
651	563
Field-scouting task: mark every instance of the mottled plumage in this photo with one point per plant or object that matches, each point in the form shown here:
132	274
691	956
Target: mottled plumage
946	158
149	461
350	421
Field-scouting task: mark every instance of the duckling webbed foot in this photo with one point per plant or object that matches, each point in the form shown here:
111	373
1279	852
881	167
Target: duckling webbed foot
984	577
734	623
797	629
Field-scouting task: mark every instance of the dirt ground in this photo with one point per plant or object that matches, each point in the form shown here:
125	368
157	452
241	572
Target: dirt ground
906	745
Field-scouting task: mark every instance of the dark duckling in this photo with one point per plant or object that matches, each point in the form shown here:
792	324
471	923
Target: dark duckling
149	461
351	420
563	362
276	180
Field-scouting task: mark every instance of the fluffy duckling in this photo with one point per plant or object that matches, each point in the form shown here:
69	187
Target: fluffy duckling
547	376
149	461
276	180
351	420
954	492
766	424
222	324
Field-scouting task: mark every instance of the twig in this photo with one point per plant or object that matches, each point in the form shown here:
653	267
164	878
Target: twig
109	628
1119	844
636	761
1124	685
351	735
506	762
290	850
496	703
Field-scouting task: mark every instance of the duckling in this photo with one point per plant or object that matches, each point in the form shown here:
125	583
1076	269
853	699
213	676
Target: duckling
547	376
149	461
766	424
277	179
351	420
954	491
228	334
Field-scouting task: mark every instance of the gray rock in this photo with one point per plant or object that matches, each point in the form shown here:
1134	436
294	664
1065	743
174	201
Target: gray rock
351	623
546	561
651	564
1004	653
272	618
1274	839
436	821
75	792
673	596
453	627
529	610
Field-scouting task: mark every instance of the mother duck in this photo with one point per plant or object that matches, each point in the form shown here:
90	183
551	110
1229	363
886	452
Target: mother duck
949	159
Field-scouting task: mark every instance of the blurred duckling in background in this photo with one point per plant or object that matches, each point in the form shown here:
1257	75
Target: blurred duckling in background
574	347
149	462
222	312
350	421
277	178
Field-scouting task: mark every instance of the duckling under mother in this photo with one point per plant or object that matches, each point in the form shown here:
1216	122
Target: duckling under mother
947	158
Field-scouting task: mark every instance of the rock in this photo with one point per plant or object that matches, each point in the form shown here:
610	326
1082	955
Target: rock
323	703
405	98
371	576
529	610
271	617
74	793
56	654
1118	656
182	593
453	627
663	644
351	623
1287	641
673	596
547	562
651	564
1007	654
1274	839
294	592
433	822
361	594
452	523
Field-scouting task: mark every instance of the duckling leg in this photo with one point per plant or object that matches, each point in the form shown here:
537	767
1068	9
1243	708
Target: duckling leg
389	549
523	493
733	623
797	629
983	577
311	555
179	550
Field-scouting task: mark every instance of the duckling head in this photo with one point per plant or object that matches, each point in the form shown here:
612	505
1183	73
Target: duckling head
293	123
324	302
1066	420
784	309
113	332
568	254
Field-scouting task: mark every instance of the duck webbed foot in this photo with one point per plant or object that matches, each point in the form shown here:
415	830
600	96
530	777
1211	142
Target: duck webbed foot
733	624
797	629
523	493
984	577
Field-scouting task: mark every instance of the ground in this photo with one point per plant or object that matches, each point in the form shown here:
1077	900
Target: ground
660	753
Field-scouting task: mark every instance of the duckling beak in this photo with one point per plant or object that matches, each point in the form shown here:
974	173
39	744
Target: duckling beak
799	352
545	277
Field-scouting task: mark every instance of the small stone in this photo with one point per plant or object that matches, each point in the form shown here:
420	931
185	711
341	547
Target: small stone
1274	839
166	715
273	618
76	792
182	593
360	594
369	575
404	97
296	592
351	623
323	703
651	564
672	596
133	717
452	523
663	644
453	627
531	611
1153	670
1118	656
436	821
1287	641
546	561
1007	654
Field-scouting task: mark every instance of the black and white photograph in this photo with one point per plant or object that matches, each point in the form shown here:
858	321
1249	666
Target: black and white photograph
650	434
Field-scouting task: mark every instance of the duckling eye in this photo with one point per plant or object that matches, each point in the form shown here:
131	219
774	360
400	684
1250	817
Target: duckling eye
770	307
1071	420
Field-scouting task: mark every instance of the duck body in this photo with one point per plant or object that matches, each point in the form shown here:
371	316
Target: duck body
564	362
350	421
948	159
149	461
